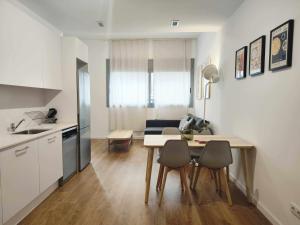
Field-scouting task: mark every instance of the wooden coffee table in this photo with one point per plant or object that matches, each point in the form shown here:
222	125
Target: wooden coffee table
119	135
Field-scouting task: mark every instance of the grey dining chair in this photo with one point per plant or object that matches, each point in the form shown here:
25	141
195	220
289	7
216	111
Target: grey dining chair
166	131
175	155
216	156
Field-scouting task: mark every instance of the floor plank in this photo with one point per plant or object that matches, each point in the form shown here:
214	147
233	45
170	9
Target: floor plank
110	191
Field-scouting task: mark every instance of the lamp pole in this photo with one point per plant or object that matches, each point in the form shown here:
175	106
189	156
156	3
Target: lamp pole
204	107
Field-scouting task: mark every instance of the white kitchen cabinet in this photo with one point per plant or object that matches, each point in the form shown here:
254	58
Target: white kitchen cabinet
30	53
21	56
50	160
19	177
52	61
0	205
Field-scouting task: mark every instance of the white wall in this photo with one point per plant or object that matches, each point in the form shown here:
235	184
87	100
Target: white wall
208	51
98	53
66	101
264	110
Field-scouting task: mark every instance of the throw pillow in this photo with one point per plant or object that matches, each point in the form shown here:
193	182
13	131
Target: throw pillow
185	123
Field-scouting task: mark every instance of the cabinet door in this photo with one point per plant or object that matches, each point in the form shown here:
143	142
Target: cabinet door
21	44
52	65
50	160
19	178
0	204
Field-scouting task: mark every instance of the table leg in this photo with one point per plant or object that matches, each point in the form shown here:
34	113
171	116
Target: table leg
245	164
108	142
148	173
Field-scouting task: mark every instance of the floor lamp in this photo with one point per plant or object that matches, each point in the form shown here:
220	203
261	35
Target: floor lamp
210	73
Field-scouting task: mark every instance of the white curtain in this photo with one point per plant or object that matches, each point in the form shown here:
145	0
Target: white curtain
128	89
172	60
129	73
171	88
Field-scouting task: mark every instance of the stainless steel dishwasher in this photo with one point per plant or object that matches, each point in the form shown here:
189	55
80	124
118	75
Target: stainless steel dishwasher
70	151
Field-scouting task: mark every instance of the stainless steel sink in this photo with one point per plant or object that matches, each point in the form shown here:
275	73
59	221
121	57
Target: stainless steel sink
31	131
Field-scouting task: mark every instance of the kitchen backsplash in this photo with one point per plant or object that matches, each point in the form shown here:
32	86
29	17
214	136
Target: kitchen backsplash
9	116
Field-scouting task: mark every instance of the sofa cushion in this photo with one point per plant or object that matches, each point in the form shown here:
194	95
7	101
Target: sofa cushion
185	122
153	130
198	123
162	123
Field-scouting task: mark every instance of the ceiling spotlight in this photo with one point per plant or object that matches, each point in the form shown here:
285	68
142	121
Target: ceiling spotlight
175	23
100	23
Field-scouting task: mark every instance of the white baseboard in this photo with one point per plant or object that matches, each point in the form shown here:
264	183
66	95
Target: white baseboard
31	206
260	206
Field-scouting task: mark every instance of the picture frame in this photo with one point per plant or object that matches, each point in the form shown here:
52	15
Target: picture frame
241	63
257	50
281	46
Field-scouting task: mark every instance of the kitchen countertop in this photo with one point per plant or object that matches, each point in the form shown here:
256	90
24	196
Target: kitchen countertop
9	140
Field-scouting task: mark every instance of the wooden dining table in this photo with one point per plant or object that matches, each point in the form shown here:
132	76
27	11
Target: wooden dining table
152	142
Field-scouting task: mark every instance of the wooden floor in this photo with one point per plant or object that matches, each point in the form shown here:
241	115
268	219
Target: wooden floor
110	191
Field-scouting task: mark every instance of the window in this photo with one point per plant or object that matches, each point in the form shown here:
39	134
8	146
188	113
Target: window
172	72
128	88
165	80
128	78
171	88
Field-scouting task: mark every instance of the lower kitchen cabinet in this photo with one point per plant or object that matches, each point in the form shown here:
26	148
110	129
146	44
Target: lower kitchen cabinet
19	177
50	160
27	170
0	207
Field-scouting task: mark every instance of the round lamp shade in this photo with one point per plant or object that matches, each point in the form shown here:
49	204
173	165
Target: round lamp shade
211	73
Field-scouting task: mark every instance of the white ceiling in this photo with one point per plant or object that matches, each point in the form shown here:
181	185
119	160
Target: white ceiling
134	18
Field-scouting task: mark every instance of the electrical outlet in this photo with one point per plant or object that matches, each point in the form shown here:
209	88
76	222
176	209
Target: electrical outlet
295	209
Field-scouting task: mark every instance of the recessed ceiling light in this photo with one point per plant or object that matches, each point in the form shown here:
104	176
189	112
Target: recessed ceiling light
100	23
175	23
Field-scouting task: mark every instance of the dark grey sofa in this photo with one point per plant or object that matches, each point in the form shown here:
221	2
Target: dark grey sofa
155	127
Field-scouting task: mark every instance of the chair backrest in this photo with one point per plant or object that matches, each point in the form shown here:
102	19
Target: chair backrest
170	131
216	155
175	154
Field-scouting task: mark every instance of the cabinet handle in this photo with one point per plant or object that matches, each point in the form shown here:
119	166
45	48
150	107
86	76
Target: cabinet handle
22	151
50	140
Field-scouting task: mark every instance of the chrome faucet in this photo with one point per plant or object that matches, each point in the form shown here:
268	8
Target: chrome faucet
13	128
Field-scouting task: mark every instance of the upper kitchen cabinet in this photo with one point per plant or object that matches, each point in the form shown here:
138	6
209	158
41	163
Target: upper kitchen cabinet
30	53
52	65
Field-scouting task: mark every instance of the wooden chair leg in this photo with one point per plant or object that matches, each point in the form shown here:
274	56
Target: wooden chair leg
192	173
184	180
182	184
196	177
228	174
226	187
159	178
219	182
211	174
216	180
166	170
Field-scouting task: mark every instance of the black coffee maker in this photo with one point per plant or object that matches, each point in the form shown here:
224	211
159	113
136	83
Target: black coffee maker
51	116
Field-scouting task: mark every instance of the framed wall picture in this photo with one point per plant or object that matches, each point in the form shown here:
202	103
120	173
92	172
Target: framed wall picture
257	56
241	63
281	46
